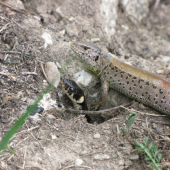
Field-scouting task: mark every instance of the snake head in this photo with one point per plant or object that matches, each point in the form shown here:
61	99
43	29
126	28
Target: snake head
75	93
89	54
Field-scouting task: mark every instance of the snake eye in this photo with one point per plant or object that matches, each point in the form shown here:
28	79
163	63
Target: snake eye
71	90
86	48
96	58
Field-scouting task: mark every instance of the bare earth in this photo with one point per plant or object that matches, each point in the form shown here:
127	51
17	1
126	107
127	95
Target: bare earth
51	140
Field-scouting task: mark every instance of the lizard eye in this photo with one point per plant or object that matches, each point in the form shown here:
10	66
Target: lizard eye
96	58
71	90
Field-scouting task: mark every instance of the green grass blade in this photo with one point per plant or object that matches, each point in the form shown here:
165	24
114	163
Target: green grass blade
10	150
146	141
131	119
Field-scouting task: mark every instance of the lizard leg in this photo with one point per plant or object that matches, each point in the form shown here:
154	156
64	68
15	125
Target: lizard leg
103	96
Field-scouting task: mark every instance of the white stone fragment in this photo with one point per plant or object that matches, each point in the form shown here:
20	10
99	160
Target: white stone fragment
53	136
124	2
17	3
35	118
121	162
47	102
101	157
84	152
96	136
136	10
3	165
134	157
62	32
165	58
50	116
83	77
78	162
52	73
160	72
58	65
95	39
47	38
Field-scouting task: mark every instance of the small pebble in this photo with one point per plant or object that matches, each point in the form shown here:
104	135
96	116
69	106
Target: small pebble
78	162
51	116
62	32
95	39
34	119
160	72
58	65
101	157
96	136
134	157
84	152
120	162
47	38
29	101
53	137
3	165
57	38
107	131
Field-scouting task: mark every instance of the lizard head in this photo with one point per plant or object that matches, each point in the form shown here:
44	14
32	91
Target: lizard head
89	54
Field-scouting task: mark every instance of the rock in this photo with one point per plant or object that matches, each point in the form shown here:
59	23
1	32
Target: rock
78	162
72	30
53	136
95	40
134	157
101	157
34	119
3	164
120	162
84	152
16	3
83	77
32	22
96	136
51	116
48	18
52	73
47	102
138	9
107	131
47	38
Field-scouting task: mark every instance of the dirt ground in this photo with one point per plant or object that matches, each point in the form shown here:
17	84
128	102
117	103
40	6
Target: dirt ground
51	140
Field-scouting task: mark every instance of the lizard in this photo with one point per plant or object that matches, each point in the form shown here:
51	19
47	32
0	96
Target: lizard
145	87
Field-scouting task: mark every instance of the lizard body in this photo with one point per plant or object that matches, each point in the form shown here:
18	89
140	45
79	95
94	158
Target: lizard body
141	85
